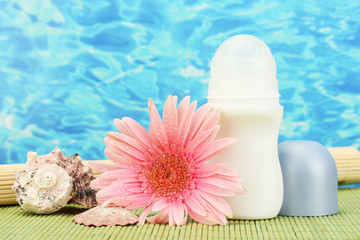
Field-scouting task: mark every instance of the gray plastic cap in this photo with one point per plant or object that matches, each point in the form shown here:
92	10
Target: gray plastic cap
310	179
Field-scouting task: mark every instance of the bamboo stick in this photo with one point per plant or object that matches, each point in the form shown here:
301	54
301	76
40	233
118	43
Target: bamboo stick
9	195
8	182
3	188
347	160
6	192
8	201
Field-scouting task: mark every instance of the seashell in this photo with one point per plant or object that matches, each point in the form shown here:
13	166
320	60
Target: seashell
106	216
81	175
43	190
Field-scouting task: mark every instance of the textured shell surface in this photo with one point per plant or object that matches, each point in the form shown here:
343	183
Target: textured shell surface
43	190
106	216
81	175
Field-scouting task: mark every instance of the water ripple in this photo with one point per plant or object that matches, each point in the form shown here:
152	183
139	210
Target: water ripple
68	68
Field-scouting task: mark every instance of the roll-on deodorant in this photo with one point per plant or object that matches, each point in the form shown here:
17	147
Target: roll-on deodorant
244	85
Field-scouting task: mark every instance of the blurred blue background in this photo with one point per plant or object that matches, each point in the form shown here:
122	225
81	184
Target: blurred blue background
68	68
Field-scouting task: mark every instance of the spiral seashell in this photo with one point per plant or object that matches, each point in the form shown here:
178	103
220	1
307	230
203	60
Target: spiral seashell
46	180
81	175
43	190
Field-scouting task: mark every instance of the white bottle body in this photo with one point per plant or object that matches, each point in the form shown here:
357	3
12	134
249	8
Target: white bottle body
254	157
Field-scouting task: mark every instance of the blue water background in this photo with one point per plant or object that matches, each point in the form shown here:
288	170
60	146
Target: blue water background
68	68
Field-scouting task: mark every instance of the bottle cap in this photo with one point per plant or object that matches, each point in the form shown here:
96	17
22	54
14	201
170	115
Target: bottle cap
310	179
243	67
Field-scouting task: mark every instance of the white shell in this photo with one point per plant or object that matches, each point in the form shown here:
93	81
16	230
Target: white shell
81	175
106	216
43	190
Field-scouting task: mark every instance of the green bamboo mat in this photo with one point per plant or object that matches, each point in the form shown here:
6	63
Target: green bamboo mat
18	224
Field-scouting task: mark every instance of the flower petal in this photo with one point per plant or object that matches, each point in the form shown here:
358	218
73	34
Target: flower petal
228	172
197	120
211	119
144	214
121	127
123	149
183	108
126	140
119	173
171	217
109	192
156	128
161	218
194	205
217	215
105	179
199	143
208	169
134	129
177	209
215	148
159	205
232	185
184	220
218	203
216	190
102	167
213	214
201	219
117	189
170	120
185	123
98	183
116	158
139	203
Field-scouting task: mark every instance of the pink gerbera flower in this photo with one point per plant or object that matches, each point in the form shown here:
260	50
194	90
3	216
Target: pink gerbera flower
165	170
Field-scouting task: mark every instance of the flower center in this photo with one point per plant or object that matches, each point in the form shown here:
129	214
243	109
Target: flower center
169	175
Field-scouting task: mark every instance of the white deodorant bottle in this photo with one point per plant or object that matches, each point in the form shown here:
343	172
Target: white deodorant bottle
243	84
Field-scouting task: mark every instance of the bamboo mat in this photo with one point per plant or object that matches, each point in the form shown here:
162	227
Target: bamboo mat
18	224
